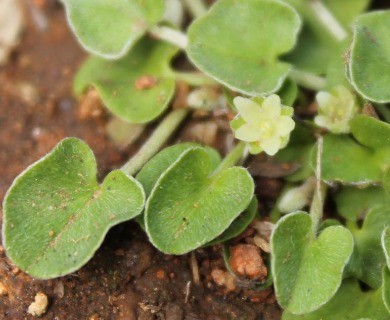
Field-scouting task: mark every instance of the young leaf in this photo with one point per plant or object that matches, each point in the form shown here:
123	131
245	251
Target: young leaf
235	44
56	214
368	305
110	28
369	64
136	88
354	203
189	205
368	258
307	271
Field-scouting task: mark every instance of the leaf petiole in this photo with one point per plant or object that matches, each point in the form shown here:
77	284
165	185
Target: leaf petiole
194	78
156	140
170	35
307	79
316	208
328	20
239	152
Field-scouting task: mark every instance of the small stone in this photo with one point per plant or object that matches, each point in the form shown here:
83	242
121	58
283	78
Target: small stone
59	289
39	306
223	278
246	261
3	289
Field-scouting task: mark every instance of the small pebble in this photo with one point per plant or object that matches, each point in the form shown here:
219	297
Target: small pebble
3	289
39	306
223	278
245	260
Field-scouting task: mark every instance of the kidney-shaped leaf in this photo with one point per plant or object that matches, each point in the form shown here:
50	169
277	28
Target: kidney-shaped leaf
369	64
136	88
56	214
239	225
189	205
110	28
235	44
368	305
307	271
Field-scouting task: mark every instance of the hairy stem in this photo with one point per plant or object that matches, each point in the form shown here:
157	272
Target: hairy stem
196	8
233	157
160	136
316	209
194	78
170	35
328	20
308	80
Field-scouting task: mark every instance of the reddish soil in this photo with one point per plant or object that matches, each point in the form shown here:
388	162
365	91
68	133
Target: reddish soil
127	278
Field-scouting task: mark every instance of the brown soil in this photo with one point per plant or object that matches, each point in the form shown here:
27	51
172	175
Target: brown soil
127	278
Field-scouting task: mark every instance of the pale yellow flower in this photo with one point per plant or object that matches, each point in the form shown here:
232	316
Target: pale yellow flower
263	122
335	109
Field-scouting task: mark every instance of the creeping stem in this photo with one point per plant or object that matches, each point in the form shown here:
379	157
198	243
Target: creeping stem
316	209
170	35
160	136
308	80
328	20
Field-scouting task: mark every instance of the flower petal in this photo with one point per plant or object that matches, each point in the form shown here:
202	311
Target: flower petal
247	133
285	125
271	146
323	121
272	106
325	99
248	109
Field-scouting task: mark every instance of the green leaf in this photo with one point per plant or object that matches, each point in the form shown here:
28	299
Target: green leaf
239	225
368	258
189	205
307	271
156	166
349	303
56	214
119	82
369	64
371	132
346	161
288	92
385	241
235	44
110	28
386	288
335	72
354	203
316	47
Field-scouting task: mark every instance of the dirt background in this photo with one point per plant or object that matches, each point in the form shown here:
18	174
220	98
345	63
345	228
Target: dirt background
127	278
